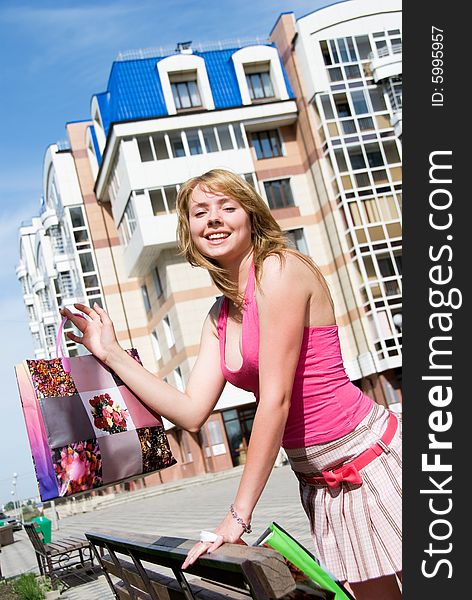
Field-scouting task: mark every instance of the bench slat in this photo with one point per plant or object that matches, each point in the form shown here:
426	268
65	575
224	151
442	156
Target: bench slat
259	572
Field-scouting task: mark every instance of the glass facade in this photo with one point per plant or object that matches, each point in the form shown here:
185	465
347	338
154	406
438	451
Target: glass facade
355	118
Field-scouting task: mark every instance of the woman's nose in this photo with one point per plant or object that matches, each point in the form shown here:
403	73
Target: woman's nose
214	216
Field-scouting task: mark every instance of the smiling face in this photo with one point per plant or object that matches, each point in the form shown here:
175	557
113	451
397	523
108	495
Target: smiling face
219	226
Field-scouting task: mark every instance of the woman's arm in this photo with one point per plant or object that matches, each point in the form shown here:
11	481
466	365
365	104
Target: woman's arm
189	409
282	306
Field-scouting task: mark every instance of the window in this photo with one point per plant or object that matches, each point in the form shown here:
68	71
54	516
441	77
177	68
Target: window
50	334
356	157
163	200
176	144
179	381
258	81
185	91
391	152
279	194
352	72
57	240
155	345
171	197
325	52
160	146
374	155
359	103
77	216
266	143
297	240
251	179
209	138
145	149
340	160
36	341
193	141
81	239
342	105
86	262
224	136
157	282
66	286
363	46
44	300
128	222
239	136
327	108
157	202
145	294
335	74
377	99
168	332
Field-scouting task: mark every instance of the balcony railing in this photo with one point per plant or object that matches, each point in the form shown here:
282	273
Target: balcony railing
386	51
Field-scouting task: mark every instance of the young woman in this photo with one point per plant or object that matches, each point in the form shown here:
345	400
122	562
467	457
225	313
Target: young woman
273	333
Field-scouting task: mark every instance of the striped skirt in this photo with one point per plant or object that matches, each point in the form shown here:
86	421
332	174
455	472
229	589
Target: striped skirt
356	529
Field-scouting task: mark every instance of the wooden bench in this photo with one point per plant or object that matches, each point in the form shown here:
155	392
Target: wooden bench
61	557
232	572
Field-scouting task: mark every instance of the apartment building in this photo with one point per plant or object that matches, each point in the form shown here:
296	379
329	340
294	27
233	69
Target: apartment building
167	117
312	119
57	263
345	66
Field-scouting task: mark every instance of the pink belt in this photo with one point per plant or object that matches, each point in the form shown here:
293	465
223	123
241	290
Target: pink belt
349	472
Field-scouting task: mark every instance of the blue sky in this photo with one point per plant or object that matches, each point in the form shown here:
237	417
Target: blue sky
53	57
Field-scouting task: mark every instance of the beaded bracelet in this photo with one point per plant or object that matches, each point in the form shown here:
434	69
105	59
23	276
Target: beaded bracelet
234	514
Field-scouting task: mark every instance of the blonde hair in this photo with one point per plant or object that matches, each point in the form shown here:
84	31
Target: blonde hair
267	237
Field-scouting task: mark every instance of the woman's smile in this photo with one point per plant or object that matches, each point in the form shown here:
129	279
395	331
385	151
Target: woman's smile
219	225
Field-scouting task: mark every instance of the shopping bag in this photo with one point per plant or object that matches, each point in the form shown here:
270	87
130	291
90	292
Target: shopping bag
86	429
277	538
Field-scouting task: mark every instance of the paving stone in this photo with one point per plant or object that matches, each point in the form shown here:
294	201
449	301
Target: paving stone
181	509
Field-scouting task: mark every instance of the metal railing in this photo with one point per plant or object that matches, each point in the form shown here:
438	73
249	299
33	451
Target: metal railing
161	51
386	51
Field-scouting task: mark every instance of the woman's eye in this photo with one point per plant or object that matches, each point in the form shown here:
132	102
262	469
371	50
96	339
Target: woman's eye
200	213
229	209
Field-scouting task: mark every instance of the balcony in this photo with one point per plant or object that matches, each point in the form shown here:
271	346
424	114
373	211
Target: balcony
21	270
48	218
38	283
386	63
151	236
397	123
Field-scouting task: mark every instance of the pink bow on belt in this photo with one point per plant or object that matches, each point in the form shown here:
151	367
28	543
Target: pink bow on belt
347	473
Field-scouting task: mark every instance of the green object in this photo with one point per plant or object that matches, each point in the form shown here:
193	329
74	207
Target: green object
2	523
283	542
43	524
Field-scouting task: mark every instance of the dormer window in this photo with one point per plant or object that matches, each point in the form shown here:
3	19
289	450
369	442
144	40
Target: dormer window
185	83
185	90
259	73
258	81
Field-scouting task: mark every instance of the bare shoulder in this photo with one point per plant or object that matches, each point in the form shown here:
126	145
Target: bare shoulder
289	272
211	321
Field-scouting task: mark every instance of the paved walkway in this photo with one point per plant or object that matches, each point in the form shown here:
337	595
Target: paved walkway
175	510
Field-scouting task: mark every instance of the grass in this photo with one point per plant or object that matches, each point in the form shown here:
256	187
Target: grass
25	587
6	592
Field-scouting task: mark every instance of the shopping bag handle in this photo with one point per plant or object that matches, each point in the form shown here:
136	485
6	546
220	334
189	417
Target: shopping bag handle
64	359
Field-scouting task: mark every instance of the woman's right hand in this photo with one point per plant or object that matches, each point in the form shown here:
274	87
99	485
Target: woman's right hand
98	333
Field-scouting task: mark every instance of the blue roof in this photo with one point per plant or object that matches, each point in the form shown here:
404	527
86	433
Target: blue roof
134	89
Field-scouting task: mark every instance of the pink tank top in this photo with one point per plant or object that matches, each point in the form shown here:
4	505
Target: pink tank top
325	405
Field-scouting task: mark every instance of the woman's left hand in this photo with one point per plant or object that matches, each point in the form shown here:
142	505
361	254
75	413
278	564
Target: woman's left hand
230	531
